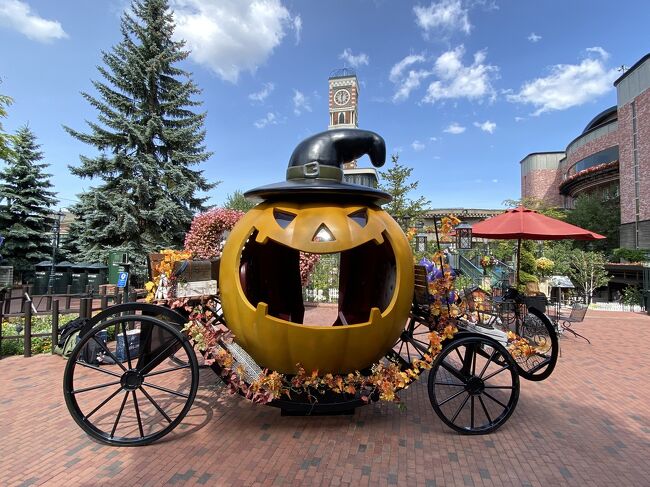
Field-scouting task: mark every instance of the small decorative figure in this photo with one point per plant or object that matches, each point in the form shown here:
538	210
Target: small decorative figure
163	287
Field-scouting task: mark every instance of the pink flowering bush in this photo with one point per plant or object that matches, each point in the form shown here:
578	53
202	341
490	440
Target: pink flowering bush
206	232
204	239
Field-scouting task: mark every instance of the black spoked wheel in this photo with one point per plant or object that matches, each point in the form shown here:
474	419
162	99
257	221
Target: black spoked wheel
413	342
538	330
473	385
120	384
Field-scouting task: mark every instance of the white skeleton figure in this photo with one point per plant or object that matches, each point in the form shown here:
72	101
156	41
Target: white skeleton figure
163	287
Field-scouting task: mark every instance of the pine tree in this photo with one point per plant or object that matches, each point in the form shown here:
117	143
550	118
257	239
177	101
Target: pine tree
25	212
395	182
148	139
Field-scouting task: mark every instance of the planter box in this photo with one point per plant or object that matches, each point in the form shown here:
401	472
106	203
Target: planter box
200	288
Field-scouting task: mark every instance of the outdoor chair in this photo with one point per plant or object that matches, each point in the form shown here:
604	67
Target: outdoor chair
577	315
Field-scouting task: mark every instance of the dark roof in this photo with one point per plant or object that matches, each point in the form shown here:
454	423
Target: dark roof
342	73
607	115
632	68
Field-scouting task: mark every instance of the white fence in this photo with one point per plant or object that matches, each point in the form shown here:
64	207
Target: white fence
616	307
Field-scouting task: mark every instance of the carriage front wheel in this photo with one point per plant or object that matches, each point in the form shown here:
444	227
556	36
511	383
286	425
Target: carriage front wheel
473	384
121	384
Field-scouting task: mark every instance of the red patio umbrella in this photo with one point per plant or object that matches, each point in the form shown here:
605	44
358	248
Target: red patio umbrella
524	224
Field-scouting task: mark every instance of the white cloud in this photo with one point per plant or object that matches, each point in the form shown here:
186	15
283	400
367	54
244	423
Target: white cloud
300	103
568	85
18	15
433	139
297	27
405	83
263	94
519	119
417	146
486	126
455	80
454	129
495	180
270	119
360	59
534	37
232	36
446	15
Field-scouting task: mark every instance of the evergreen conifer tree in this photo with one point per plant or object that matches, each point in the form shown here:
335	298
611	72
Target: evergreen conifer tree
148	140
25	212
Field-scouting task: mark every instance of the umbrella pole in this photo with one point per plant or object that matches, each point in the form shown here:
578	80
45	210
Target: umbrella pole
518	261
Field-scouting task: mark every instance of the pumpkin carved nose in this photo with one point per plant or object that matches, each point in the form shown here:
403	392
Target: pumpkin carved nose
323	234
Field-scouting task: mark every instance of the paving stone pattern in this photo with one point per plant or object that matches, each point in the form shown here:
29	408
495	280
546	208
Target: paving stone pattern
588	424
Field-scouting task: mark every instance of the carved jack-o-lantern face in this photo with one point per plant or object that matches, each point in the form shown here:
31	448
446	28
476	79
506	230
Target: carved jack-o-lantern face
262	295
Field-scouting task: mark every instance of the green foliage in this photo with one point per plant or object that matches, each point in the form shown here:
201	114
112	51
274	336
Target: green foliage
632	295
237	201
395	181
560	252
25	219
145	143
587	271
527	266
40	324
600	215
631	255
5	139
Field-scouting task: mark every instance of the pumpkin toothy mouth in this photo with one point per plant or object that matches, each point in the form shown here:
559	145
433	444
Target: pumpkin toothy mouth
269	273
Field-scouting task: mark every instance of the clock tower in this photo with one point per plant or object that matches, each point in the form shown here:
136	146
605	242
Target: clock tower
343	99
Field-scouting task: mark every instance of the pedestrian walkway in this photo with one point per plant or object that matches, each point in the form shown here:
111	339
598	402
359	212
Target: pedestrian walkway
588	424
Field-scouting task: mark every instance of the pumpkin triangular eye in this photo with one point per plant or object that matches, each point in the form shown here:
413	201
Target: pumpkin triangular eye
283	218
360	216
323	234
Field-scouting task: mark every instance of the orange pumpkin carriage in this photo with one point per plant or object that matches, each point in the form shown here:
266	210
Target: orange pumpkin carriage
134	373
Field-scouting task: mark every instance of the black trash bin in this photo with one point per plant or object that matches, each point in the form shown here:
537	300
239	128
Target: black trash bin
78	278
41	277
62	274
96	276
538	302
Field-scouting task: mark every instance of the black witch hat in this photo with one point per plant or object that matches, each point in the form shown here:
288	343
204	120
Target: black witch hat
315	167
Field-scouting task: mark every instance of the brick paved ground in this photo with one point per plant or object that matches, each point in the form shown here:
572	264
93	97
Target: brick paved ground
589	424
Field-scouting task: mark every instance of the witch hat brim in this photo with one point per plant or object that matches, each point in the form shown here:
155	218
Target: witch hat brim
315	168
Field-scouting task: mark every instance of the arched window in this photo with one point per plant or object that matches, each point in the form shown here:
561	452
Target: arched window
341	118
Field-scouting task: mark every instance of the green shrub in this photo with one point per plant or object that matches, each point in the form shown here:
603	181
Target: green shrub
631	255
40	324
632	295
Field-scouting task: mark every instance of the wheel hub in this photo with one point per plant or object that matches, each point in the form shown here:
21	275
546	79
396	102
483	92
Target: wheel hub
475	386
131	380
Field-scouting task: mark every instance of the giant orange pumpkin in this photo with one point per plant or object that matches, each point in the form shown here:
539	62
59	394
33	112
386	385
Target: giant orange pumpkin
260	277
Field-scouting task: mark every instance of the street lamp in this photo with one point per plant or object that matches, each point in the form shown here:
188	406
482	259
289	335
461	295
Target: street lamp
464	236
420	237
56	232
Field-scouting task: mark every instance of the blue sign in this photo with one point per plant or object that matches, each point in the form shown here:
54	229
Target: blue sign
122	278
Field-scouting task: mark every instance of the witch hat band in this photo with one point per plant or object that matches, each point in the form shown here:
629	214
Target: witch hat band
315	167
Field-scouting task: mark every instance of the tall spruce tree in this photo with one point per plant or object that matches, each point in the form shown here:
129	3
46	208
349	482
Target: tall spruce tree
25	212
396	182
148	140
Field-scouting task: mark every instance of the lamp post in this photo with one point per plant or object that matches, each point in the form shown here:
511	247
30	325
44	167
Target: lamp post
464	236
56	232
420	237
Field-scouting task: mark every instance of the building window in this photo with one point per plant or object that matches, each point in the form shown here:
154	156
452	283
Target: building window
341	118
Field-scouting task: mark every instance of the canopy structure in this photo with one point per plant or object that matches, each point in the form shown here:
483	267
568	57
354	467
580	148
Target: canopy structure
524	224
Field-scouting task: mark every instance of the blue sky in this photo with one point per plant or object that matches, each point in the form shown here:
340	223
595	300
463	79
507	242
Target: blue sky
462	90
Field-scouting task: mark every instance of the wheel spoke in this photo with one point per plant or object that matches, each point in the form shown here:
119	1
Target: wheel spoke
172	369
137	413
119	413
471	412
460	357
154	362
456	373
460	408
110	354
102	404
499	387
152	401
92	388
495	399
453	396
487	415
505	367
99	369
164	389
487	364
449	384
126	345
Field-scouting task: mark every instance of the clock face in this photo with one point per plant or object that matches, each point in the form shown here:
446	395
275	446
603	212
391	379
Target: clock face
341	97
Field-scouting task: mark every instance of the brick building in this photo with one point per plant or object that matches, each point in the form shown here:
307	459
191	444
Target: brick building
611	157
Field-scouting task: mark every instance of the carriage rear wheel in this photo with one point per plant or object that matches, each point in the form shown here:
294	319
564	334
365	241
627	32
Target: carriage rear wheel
473	384
540	333
121	385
